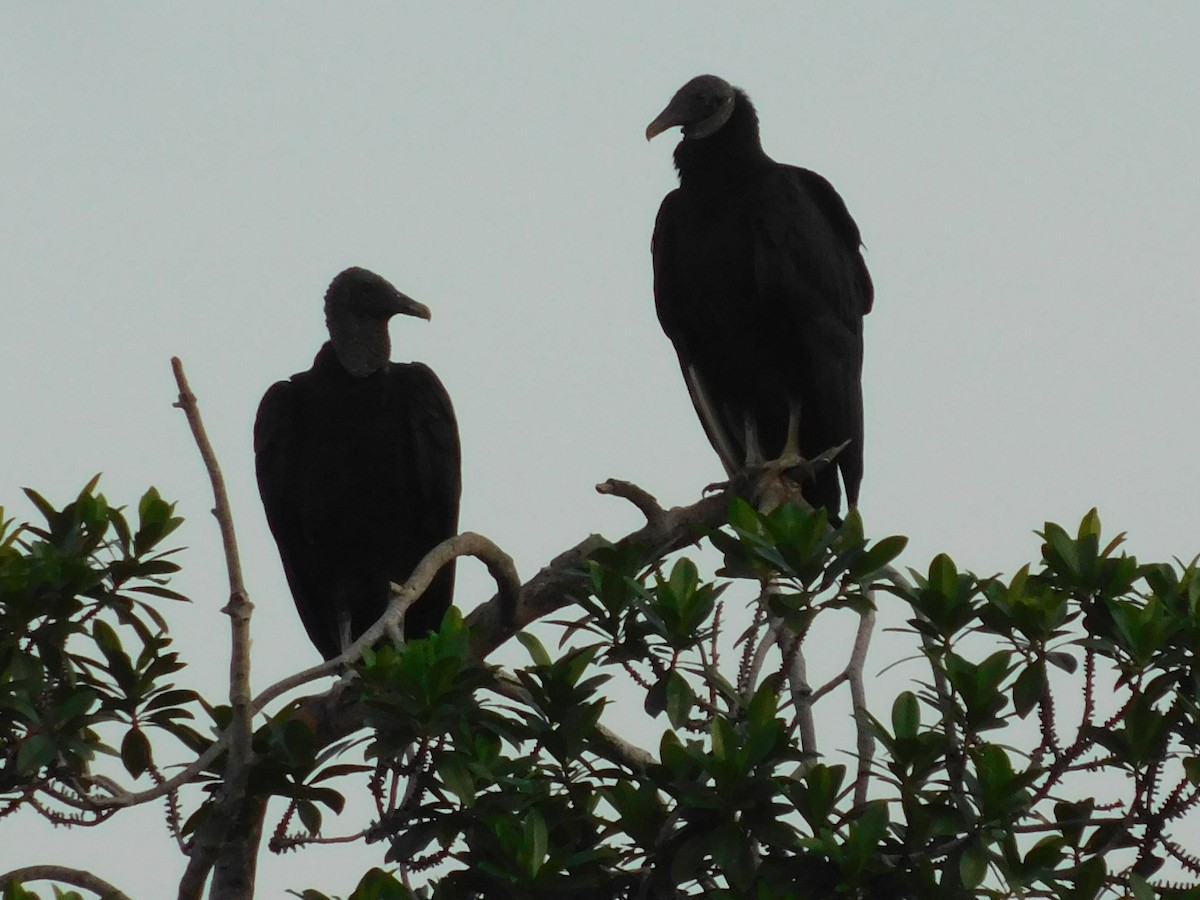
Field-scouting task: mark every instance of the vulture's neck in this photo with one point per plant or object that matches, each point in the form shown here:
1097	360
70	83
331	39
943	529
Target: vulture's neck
362	345
731	155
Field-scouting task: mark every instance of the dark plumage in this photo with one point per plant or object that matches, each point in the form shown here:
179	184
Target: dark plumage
760	284
358	466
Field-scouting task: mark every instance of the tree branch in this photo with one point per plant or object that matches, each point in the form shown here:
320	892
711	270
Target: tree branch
74	877
795	669
638	496
213	834
499	565
610	745
858	697
122	798
558	583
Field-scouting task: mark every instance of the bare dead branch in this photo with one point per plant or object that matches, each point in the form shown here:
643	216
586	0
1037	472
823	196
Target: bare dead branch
213	834
74	877
565	577
858	657
638	496
122	798
499	565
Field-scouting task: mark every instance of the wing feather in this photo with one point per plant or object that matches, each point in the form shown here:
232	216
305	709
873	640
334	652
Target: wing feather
278	448
435	460
810	273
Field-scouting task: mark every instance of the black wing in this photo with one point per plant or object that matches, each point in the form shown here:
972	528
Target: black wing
762	293
434	462
808	266
279	452
689	314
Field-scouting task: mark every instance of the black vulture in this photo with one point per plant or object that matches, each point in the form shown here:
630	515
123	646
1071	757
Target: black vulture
760	284
358	466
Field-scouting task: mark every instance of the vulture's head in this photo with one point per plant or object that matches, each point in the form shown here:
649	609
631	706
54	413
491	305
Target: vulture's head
700	108
361	294
358	305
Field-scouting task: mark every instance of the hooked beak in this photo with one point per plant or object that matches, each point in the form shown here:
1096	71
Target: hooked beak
407	306
668	118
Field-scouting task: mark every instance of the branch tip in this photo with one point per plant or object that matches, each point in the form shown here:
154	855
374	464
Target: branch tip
639	497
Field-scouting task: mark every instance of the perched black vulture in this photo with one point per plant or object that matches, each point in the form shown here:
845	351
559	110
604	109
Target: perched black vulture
760	284
358	466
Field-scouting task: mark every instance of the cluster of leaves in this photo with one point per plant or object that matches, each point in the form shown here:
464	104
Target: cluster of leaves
14	891
494	787
977	789
1097	805
1049	747
84	653
529	796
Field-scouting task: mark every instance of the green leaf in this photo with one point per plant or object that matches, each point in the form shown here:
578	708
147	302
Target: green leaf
943	575
44	506
457	777
380	885
972	866
724	738
536	651
135	752
1029	688
680	699
684	577
536	843
763	706
1045	854
1141	888
1191	767
1061	659
310	815
880	554
36	752
906	715
1090	525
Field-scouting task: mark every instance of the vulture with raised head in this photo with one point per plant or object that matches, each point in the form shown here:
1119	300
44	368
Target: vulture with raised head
358	466
760	284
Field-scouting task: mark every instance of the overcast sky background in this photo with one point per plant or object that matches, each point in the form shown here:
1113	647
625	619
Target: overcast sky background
186	181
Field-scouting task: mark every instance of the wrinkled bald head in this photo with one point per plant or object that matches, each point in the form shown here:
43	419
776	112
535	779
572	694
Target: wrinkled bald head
700	108
358	305
363	294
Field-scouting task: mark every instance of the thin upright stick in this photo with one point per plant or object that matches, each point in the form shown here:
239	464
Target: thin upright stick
239	609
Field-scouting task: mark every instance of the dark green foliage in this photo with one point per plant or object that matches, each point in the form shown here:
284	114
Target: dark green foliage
85	660
375	885
14	891
1044	740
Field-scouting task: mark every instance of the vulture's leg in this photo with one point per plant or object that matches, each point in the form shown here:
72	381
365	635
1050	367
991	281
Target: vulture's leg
754	451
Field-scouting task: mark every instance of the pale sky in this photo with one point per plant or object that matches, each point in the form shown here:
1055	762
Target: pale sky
187	180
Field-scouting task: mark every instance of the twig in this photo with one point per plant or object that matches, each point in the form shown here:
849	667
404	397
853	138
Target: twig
74	877
796	668
615	749
122	798
752	662
211	837
638	496
499	565
858	697
239	609
557	585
